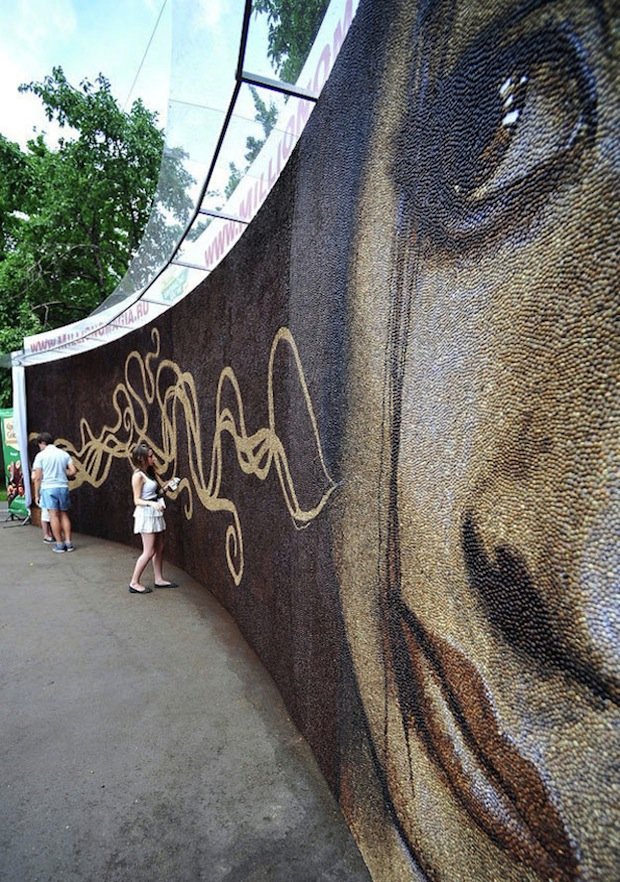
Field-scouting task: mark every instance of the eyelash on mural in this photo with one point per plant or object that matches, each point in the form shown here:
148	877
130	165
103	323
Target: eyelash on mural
496	135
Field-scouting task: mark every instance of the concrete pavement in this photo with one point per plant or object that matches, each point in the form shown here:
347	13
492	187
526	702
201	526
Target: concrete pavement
141	738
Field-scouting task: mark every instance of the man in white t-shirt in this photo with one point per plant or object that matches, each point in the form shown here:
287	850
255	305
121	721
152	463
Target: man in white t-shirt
51	470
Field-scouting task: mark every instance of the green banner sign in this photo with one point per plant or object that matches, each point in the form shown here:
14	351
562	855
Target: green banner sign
13	470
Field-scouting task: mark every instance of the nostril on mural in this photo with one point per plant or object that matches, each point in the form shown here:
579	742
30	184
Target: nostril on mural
515	608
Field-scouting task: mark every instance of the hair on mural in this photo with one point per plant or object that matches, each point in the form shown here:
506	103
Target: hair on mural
156	397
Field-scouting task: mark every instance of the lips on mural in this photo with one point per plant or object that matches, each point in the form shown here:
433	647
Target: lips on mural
445	705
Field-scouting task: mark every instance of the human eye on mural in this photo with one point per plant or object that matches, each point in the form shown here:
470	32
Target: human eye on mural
485	615
492	133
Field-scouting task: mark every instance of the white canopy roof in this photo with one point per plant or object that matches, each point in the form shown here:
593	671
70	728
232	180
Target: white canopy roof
211	114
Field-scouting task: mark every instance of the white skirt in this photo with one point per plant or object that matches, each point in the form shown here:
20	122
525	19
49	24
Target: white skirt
147	520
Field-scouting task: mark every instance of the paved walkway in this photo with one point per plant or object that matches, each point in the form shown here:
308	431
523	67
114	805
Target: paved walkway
141	740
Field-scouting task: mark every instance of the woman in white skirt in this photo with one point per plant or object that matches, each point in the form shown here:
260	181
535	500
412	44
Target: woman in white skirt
148	519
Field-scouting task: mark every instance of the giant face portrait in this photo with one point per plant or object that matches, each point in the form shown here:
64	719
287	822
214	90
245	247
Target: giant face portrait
477	549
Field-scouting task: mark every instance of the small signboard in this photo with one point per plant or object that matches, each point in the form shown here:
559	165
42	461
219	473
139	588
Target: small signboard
13	469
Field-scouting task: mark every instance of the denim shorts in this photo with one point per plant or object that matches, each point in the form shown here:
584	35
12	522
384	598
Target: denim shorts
56	499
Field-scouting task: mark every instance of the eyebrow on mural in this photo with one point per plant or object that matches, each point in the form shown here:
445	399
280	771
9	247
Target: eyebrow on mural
598	7
434	8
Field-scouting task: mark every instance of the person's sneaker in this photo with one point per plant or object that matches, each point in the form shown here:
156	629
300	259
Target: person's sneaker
48	539
59	549
69	546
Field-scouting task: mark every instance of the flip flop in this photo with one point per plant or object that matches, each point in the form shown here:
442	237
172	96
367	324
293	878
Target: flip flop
169	585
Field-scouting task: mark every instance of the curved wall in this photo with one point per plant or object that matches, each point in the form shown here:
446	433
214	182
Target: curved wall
394	407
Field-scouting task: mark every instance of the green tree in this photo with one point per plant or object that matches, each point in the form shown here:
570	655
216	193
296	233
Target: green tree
267	116
13	194
293	25
71	217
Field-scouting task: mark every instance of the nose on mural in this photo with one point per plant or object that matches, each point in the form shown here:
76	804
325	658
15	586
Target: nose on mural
517	609
600	578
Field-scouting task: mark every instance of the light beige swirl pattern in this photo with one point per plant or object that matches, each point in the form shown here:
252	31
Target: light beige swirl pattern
157	389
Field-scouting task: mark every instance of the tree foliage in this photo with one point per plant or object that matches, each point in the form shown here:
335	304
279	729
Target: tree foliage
72	216
292	28
293	25
267	116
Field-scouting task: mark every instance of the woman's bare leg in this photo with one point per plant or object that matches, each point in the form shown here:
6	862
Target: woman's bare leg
158	558
148	551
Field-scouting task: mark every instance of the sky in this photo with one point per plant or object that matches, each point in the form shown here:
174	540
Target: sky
178	56
84	37
131	43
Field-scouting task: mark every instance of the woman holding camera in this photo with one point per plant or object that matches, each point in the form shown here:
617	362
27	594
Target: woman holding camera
148	519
